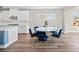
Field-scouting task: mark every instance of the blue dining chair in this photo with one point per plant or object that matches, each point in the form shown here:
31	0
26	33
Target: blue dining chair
56	33
42	36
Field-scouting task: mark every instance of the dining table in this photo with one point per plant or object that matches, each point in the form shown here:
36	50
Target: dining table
48	30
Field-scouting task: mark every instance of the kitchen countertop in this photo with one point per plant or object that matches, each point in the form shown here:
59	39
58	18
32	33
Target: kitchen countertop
6	27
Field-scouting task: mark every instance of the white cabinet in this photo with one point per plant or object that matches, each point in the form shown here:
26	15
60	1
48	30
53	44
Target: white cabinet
23	15
23	29
4	16
12	35
13	12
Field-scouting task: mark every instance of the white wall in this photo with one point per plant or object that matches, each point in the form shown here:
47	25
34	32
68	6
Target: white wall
68	19
64	18
33	17
35	22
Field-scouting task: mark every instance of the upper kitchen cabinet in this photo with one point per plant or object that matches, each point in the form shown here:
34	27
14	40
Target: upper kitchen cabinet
23	15
4	14
10	15
13	14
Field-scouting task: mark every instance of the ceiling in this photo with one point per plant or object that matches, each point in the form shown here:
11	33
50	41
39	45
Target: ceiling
36	7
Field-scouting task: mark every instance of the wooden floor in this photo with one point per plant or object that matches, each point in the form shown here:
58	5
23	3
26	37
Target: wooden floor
66	43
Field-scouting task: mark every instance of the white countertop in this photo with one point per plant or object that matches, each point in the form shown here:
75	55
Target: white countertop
5	27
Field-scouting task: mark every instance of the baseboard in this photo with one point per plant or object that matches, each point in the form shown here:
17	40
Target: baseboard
63	32
22	33
71	32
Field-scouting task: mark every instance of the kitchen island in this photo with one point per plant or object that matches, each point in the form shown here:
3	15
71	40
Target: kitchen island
8	35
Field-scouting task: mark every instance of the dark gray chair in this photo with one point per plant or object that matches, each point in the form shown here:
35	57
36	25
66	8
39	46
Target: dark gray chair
32	34
56	34
42	36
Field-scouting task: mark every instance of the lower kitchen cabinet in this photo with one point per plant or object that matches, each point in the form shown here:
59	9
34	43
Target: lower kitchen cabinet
23	29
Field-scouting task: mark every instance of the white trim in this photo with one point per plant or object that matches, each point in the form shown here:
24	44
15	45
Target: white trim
64	32
6	45
71	31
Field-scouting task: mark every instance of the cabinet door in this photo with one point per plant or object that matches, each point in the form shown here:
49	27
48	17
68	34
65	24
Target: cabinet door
13	12
23	15
23	29
13	35
5	16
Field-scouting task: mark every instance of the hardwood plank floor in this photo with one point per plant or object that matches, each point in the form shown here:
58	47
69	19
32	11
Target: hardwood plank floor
66	43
